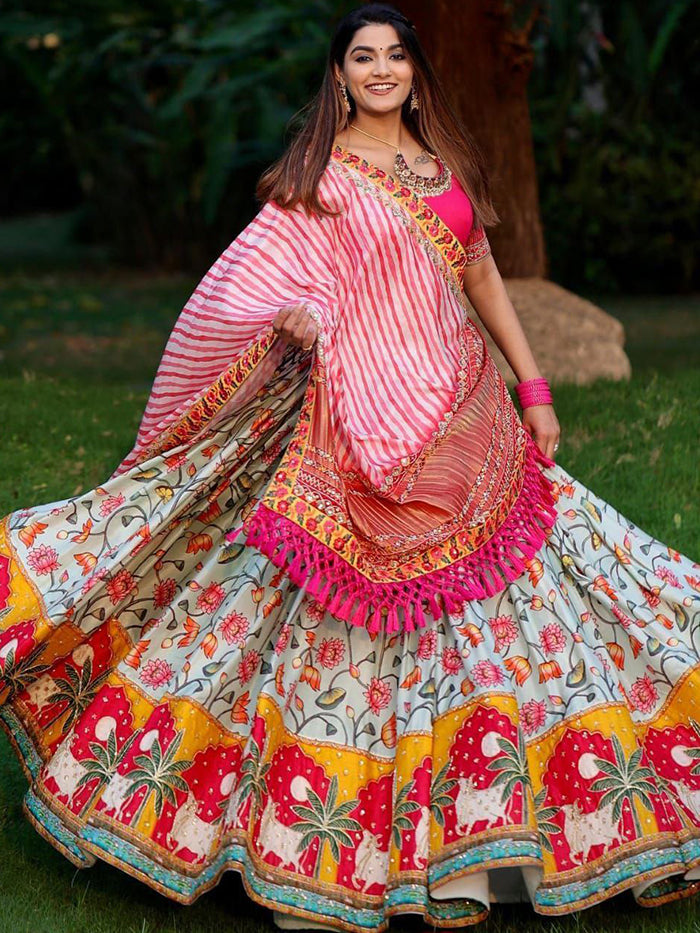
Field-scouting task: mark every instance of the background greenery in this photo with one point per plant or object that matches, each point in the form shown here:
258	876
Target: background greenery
613	97
153	121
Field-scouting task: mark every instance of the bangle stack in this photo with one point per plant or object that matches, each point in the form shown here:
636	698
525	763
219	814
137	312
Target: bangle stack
533	392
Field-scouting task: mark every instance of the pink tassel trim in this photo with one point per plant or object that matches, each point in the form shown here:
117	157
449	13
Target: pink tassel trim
361	602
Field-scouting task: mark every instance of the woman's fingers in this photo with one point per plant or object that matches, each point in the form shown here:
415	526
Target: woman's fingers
549	441
295	325
540	421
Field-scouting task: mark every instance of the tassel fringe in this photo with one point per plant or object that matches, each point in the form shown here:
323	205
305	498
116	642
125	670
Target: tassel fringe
399	605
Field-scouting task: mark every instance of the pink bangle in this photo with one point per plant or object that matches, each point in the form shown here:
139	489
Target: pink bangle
533	392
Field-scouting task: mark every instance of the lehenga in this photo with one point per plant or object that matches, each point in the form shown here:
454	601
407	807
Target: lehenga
184	701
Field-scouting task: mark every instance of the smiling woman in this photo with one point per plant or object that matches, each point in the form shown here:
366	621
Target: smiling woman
338	621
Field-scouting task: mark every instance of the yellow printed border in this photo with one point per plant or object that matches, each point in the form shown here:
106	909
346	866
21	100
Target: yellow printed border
212	400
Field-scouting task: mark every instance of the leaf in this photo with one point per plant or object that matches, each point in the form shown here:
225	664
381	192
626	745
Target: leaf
577	675
602	784
331	698
682	617
147	474
607	767
230	552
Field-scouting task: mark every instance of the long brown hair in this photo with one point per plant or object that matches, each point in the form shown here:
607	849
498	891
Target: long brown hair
294	177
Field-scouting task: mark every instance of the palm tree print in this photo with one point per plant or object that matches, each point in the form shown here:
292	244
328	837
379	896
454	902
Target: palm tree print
160	775
326	821
625	780
440	797
694	752
78	690
18	675
103	765
512	769
253	782
402	807
545	826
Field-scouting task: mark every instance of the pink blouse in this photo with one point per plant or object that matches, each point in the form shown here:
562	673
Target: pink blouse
455	209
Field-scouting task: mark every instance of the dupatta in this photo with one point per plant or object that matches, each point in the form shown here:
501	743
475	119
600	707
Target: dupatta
409	485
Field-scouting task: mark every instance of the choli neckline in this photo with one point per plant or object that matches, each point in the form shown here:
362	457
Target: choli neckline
350	157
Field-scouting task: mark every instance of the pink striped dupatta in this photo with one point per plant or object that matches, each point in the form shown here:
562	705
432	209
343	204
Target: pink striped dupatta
409	480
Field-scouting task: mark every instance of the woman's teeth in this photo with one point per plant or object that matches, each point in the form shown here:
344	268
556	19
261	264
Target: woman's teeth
380	88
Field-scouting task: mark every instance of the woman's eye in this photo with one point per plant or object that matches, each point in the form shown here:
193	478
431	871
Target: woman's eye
399	55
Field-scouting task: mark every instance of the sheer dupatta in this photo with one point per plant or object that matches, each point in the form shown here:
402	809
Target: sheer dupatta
409	481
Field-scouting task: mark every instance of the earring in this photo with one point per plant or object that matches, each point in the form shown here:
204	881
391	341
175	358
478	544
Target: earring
414	97
344	92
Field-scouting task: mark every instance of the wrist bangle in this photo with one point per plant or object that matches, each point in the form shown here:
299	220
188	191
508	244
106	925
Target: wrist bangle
533	392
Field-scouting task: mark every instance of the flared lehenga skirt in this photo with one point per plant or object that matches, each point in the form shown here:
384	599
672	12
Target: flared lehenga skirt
181	708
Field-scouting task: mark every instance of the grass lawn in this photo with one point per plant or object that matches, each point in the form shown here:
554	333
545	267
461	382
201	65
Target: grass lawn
77	356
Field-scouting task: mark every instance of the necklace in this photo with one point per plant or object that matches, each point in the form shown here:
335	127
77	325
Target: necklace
419	183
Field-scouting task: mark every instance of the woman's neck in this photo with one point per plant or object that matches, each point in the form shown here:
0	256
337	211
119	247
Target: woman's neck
386	126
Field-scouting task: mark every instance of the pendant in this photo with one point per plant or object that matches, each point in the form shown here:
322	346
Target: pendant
419	183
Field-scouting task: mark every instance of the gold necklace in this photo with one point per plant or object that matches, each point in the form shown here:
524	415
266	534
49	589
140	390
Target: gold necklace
419	183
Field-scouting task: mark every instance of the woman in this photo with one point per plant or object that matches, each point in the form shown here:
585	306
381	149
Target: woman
338	620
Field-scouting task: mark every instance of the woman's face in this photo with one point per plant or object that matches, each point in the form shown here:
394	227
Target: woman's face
376	69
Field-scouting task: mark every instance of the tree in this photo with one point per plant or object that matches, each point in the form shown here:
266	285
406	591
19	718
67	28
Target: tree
482	54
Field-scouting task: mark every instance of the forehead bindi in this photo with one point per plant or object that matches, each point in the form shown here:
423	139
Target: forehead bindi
375	37
369	48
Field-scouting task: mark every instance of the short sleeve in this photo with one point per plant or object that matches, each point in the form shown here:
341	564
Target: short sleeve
477	245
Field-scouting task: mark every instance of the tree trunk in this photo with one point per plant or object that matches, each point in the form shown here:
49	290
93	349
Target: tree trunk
484	63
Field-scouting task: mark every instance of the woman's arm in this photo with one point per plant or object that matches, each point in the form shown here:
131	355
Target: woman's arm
485	290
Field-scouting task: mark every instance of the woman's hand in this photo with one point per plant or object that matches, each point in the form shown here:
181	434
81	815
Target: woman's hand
296	326
542	425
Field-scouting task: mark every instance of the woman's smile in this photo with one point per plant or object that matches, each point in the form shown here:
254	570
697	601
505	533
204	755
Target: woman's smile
384	88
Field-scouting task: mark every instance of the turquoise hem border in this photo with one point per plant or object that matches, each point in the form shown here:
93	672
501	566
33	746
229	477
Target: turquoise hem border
94	842
409	897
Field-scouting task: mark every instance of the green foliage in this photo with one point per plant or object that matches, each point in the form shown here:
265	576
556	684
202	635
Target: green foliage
616	147
169	111
622	211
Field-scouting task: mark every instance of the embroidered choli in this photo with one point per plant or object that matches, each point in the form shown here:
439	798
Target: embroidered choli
455	210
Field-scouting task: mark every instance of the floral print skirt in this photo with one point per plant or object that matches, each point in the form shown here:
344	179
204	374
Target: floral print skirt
180	708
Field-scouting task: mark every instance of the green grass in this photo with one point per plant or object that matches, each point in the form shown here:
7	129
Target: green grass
78	354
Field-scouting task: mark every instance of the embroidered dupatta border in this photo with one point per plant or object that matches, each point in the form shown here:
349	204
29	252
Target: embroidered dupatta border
193	418
443	246
319	553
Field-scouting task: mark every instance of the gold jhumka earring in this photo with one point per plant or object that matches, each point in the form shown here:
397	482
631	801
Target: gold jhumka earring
344	92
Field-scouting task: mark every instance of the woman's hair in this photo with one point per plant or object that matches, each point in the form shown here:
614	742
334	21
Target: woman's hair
294	177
